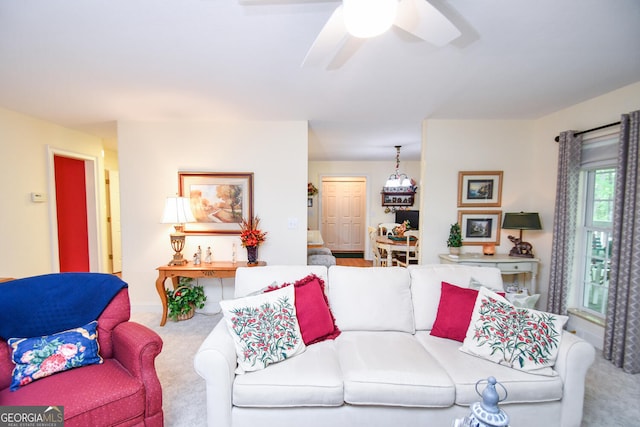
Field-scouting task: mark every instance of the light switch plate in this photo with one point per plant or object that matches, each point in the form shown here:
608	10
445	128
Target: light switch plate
38	197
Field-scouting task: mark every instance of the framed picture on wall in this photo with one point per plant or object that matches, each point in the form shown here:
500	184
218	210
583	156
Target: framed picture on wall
480	227
219	201
479	188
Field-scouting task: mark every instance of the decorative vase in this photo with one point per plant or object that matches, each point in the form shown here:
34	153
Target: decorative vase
454	250
252	255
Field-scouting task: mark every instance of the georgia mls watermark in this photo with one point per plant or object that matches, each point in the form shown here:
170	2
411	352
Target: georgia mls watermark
31	416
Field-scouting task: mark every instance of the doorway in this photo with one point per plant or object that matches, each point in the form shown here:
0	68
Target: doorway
114	233
342	222
74	212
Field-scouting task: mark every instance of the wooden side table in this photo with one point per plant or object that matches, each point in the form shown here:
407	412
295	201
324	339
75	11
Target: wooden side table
219	270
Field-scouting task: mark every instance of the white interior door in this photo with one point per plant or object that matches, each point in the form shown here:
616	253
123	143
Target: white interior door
343	213
114	220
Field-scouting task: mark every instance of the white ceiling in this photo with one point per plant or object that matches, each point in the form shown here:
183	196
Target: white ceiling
86	64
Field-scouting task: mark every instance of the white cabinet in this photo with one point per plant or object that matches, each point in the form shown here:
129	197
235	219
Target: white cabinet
508	265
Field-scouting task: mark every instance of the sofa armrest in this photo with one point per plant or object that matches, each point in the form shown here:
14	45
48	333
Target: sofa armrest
575	355
215	361
136	347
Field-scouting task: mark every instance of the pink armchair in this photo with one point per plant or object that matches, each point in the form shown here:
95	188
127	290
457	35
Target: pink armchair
122	391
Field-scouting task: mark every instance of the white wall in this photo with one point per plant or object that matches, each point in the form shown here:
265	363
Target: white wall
376	174
451	146
524	150
150	156
25	226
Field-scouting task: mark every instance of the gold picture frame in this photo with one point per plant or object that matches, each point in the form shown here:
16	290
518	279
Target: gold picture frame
480	189
480	227
219	201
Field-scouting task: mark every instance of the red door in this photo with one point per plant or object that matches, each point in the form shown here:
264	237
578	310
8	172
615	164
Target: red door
71	205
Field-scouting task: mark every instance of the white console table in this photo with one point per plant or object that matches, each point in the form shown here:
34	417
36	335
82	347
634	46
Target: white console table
507	264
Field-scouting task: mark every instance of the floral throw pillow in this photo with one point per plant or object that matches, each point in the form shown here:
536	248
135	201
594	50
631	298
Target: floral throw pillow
264	328
40	357
521	338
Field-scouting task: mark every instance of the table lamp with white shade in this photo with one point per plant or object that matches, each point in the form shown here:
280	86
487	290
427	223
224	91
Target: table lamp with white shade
177	211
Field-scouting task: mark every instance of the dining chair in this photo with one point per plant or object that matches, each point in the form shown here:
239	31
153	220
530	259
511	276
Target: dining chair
386	228
411	253
379	256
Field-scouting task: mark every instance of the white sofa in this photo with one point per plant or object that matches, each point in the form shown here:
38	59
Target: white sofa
385	369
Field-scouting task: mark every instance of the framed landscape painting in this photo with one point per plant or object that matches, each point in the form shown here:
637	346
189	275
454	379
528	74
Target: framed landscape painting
480	227
479	188
218	201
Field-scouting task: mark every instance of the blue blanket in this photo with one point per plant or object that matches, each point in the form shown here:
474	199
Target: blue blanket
43	305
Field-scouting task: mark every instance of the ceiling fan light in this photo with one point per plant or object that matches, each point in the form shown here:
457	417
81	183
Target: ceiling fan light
369	18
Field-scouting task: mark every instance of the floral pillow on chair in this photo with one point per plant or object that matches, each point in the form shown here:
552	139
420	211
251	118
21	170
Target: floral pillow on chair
40	357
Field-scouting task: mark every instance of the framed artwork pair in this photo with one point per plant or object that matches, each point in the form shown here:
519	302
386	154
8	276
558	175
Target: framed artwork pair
480	189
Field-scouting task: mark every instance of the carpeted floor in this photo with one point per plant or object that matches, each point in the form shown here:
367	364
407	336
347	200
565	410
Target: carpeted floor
611	398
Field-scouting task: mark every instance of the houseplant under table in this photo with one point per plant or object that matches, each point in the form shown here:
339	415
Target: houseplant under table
183	300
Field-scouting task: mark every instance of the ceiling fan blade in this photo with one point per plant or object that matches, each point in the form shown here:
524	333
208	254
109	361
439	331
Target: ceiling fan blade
345	52
332	37
421	19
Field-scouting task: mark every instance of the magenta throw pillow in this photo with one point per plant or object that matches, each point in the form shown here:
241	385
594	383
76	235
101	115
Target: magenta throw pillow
312	309
454	312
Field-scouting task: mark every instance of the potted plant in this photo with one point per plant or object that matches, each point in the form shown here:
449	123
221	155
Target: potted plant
454	242
183	300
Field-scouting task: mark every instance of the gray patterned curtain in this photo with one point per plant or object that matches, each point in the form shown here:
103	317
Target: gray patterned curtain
622	330
564	221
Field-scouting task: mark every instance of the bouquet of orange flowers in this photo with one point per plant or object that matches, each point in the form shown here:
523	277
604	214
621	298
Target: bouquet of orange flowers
250	234
312	190
399	230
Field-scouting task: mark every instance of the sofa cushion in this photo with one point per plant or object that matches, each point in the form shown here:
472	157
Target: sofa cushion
465	371
426	283
312	378
454	312
312	309
121	400
371	299
521	338
391	369
255	279
264	328
40	357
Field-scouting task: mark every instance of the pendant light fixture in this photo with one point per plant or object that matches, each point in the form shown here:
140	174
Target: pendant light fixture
399	190
399	182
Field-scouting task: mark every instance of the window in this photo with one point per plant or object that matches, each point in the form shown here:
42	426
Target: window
595	236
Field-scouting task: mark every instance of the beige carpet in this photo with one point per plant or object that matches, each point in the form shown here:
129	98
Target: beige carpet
612	397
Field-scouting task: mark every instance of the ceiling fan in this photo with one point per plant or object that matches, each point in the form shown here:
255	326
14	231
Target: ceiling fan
339	39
